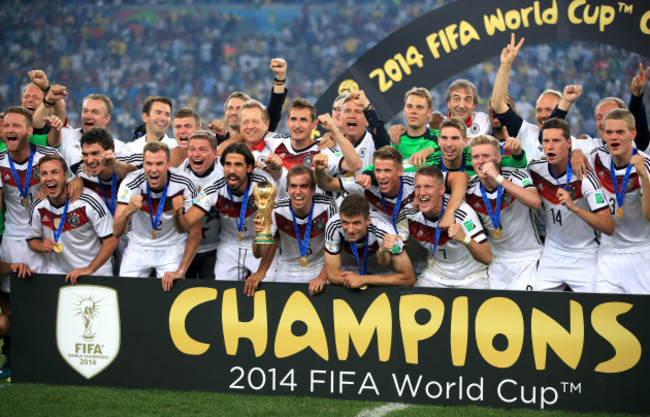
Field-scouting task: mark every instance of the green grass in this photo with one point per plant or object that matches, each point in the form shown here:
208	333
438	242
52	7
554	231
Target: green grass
52	400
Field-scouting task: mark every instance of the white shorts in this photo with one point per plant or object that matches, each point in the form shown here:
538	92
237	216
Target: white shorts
287	272
236	264
105	270
15	250
433	280
508	274
555	272
137	262
623	273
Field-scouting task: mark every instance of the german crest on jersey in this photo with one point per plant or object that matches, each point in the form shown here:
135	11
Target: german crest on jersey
73	220
88	331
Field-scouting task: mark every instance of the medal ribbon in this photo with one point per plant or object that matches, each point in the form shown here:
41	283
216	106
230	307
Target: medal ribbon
435	242
569	172
244	204
443	168
161	204
398	203
495	217
57	232
303	243
353	246
111	205
620	195
24	192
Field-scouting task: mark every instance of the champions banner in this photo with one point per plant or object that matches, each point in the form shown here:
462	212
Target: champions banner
448	40
582	352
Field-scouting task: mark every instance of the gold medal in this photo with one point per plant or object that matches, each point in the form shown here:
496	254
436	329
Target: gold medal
497	233
433	261
153	234
619	212
240	237
363	287
58	248
303	261
25	202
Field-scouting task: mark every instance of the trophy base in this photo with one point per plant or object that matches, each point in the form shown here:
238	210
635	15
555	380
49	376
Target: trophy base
264	239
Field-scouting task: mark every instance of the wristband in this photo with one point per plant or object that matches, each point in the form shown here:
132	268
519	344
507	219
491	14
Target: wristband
467	240
48	103
181	271
275	80
45	90
499	179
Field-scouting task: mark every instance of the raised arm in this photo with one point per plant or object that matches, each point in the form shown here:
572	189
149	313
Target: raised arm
325	181
351	161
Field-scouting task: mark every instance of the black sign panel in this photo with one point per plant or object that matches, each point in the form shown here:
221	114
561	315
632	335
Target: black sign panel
461	34
584	352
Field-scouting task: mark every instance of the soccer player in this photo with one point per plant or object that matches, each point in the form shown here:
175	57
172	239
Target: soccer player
574	210
76	237
448	263
184	123
362	250
503	198
624	257
203	169
145	199
232	196
156	112
299	228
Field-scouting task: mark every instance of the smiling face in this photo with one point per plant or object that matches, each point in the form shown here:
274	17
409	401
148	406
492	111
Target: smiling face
236	172
461	103
416	111
232	112
32	98
387	175
156	166
353	121
183	128
355	227
94	114
544	108
252	125
53	180
301	124
16	132
200	155
301	193
451	144
91	154
158	119
428	194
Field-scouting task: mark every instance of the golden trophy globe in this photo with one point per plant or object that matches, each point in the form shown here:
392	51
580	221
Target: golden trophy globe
265	193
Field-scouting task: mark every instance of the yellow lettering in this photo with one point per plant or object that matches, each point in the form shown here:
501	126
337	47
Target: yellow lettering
524	15
376	319
590	20
493	23
550	15
571	12
178	312
450	31
625	344
499	316
547	332
467	33
645	28
433	45
607	14
459	330
300	309
412	331
255	330
513	19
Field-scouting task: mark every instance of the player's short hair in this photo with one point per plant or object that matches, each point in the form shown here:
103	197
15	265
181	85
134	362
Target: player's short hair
302	103
187	112
23	111
102	97
555	123
28	86
388	153
620	103
485	139
98	135
433	172
355	205
155	147
464	85
241	149
300	170
454	122
148	102
53	157
339	98
236	94
254	104
550	92
420	92
204	134
621	114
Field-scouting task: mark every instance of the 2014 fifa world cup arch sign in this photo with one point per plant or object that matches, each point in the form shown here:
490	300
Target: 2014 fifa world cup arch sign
461	34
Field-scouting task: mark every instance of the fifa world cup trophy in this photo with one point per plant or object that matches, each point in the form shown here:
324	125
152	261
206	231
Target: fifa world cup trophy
265	193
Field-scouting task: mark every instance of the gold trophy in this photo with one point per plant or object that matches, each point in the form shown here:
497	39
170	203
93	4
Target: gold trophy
265	193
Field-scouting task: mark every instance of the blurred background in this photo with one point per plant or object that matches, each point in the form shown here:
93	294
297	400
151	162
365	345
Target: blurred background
198	52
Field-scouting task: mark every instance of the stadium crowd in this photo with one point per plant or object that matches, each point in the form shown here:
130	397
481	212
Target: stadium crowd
512	197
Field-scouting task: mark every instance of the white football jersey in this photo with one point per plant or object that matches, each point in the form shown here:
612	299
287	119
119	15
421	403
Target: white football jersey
70	147
281	145
137	146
